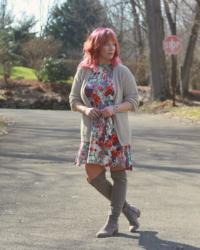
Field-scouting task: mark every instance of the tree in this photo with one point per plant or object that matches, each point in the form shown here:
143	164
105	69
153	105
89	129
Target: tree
160	84
137	30
120	19
5	17
7	42
73	20
7	52
186	68
36	49
22	34
172	25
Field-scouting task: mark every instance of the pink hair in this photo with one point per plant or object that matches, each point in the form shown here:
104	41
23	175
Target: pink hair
93	45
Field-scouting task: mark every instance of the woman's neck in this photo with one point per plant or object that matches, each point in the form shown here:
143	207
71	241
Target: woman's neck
103	61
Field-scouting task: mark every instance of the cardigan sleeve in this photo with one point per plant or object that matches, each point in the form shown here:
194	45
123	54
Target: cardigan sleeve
74	96
130	90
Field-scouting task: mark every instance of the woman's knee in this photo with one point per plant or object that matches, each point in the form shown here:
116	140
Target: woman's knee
93	170
119	175
113	169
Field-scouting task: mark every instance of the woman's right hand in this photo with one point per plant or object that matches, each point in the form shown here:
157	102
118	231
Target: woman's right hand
93	113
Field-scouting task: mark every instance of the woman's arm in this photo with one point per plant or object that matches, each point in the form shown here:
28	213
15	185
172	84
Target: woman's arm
112	109
130	90
92	112
130	95
80	107
123	107
74	96
75	100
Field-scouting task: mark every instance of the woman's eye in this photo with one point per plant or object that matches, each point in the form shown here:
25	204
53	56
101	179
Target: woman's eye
109	46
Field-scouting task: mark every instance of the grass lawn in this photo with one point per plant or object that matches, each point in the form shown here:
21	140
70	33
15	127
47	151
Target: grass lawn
2	125
182	111
19	72
191	113
68	81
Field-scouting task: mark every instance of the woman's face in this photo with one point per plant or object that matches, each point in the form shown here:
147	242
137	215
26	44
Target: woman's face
107	51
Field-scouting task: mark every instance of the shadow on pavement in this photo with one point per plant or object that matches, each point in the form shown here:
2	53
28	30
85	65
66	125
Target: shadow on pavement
165	168
149	241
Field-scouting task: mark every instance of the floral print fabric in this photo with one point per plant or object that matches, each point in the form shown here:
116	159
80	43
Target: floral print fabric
104	147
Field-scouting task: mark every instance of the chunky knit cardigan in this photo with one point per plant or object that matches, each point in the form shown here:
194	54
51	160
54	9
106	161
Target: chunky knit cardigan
126	90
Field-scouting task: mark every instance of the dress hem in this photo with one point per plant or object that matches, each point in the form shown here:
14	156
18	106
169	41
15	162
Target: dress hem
106	166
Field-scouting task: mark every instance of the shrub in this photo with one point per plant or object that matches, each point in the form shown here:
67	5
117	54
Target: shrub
53	70
71	65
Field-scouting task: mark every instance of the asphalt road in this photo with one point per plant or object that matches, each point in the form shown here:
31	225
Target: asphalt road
46	202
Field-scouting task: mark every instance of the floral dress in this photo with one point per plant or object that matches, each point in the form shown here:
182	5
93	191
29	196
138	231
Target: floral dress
104	147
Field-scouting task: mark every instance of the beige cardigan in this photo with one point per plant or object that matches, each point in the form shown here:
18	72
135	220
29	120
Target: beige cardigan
126	90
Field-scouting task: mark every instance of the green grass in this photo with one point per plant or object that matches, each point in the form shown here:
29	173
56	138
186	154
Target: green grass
2	123
68	81
181	111
192	113
1	71
23	73
19	72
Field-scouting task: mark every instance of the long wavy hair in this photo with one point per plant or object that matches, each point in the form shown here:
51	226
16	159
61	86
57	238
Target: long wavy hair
92	47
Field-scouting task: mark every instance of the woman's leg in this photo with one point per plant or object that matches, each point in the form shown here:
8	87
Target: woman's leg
93	170
96	176
116	169
118	195
118	199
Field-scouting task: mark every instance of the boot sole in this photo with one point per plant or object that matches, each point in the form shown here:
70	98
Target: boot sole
107	235
133	229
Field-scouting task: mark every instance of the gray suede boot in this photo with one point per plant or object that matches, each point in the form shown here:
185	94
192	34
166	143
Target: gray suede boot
109	229
117	199
104	186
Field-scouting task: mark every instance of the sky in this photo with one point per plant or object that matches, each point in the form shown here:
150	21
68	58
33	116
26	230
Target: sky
22	8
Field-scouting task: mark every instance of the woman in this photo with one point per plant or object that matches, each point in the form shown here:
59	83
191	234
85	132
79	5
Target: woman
104	90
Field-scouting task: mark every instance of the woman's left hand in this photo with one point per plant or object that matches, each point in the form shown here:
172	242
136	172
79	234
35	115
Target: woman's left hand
108	111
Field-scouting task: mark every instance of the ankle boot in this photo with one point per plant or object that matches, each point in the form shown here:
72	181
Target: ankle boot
117	199
109	229
132	214
104	186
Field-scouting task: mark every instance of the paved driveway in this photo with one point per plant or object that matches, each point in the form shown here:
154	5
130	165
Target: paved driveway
46	202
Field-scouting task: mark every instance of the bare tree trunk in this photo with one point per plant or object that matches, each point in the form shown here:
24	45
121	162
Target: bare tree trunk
136	27
121	33
160	84
6	72
174	64
3	6
186	68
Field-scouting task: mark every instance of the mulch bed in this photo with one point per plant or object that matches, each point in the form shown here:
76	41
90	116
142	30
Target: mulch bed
34	94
